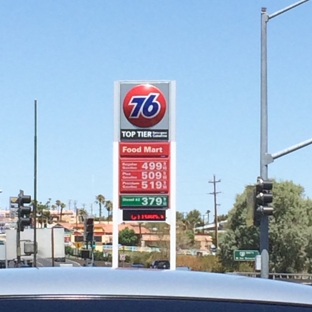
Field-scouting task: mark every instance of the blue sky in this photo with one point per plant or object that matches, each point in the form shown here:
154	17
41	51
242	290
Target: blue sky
67	55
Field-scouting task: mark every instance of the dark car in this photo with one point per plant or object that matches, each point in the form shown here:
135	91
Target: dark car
160	264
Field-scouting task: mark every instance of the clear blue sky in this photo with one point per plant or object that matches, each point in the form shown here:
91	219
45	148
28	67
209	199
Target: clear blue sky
67	55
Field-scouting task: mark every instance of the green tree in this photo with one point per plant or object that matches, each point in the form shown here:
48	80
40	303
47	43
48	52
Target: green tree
222	217
239	235
308	249
184	234
192	220
81	213
43	213
63	205
58	204
288	229
100	200
179	216
109	208
127	237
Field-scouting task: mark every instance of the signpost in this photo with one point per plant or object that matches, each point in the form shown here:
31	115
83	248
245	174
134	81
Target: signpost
144	156
245	255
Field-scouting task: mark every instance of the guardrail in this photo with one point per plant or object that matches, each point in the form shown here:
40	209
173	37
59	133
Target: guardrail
293	277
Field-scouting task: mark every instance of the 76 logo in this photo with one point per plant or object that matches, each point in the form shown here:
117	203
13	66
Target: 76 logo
144	106
147	106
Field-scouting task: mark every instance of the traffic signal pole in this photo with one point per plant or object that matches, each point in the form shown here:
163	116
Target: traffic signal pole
35	186
22	221
18	232
264	223
266	158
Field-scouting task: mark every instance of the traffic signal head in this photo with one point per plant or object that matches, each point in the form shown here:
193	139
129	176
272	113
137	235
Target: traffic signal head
263	198
265	185
24	211
89	229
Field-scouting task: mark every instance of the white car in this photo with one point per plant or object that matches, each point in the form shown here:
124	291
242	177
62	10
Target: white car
127	290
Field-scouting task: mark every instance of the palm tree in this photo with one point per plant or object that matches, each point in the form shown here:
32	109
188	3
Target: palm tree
48	203
80	215
100	199
109	207
42	212
62	207
58	204
46	218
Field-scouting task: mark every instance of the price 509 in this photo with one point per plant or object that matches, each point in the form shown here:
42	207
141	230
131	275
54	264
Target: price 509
157	175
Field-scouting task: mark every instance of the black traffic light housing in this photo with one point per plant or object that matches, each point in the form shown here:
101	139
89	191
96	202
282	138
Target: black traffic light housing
24	212
263	199
89	230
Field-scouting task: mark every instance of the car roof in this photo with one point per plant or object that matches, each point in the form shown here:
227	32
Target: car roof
149	283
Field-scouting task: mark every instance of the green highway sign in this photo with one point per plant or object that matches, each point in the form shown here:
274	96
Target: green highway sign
144	201
245	255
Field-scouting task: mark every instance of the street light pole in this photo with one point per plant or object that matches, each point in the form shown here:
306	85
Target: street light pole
264	156
264	225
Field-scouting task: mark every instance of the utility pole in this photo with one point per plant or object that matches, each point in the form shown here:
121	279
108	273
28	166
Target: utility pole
214	193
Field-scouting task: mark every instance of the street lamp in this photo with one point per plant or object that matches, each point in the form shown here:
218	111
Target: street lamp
264	156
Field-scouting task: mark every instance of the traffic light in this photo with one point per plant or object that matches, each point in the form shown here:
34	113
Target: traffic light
24	212
263	199
89	230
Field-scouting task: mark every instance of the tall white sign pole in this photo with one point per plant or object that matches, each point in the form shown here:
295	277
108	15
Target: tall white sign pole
144	157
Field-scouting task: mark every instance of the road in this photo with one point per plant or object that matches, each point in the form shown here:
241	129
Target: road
43	262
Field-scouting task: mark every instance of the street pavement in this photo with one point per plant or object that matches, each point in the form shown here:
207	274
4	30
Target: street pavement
44	262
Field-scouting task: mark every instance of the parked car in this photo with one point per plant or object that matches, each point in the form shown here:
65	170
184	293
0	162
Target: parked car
183	268
137	265
160	264
128	290
89	265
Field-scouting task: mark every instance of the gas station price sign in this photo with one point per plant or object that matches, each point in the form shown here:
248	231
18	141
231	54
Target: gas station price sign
144	175
144	201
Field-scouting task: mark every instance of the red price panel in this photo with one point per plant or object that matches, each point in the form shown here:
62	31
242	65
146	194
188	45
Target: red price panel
139	175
